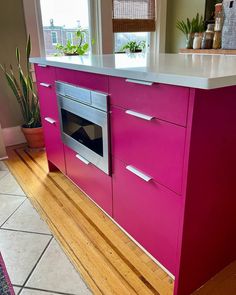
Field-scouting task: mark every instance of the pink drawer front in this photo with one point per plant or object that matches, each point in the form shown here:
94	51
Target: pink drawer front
96	184
154	147
48	100
53	142
45	74
149	212
83	79
165	102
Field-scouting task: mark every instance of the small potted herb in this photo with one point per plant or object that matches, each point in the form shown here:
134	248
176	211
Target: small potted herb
134	46
190	27
80	48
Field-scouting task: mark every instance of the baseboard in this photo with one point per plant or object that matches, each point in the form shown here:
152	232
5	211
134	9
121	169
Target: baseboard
13	136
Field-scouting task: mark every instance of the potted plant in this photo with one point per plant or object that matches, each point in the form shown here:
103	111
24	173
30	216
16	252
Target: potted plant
23	89
80	48
134	46
190	27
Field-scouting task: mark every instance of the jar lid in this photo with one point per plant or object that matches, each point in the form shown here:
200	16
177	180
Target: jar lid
218	7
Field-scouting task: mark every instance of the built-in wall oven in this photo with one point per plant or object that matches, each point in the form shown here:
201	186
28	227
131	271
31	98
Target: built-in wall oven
84	123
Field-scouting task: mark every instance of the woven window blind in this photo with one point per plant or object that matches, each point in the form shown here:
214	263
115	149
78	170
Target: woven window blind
133	16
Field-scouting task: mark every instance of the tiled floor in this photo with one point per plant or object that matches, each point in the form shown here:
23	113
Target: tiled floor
34	260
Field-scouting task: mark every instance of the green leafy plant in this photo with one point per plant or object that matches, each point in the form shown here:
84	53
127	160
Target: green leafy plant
80	48
22	87
134	46
196	25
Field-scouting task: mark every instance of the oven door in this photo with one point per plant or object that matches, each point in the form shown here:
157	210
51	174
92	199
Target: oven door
85	130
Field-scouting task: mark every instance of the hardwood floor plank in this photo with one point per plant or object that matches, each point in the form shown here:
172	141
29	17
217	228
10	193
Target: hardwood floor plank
106	260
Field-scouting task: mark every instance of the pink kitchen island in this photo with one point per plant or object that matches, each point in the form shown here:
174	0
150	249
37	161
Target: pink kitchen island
152	141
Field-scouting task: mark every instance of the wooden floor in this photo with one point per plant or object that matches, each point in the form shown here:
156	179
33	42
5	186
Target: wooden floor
108	260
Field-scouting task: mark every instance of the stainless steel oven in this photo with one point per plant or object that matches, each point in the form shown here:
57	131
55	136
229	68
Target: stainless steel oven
84	123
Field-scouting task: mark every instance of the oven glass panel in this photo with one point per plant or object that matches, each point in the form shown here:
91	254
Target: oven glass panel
87	133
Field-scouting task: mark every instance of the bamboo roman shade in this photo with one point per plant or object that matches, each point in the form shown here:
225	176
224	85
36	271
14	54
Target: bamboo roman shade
133	15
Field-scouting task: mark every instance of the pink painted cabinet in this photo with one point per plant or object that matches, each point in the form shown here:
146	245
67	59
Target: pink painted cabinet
149	212
49	116
90	179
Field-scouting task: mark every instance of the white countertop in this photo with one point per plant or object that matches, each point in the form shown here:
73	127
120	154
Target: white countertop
197	71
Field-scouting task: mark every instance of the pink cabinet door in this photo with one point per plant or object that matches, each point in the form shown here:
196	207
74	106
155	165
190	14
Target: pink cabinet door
96	184
53	141
45	73
166	102
156	147
149	212
83	79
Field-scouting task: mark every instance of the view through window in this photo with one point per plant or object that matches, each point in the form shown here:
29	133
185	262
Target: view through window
122	39
61	20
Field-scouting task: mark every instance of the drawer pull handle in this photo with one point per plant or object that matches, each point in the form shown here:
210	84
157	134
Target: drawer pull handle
138	173
139	82
45	85
50	120
82	159
139	115
42	66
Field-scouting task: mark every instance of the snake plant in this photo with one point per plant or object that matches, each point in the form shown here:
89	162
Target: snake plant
22	86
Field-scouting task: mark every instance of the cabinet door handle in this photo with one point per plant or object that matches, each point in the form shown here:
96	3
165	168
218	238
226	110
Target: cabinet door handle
42	66
45	85
82	159
139	82
50	120
139	115
138	173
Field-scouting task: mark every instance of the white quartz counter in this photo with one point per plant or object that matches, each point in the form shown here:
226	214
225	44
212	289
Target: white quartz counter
197	71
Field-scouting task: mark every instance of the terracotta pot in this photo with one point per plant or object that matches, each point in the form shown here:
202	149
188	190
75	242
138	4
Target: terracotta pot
34	137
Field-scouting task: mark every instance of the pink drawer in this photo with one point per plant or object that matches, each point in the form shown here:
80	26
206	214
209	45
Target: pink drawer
163	101
45	74
48	99
155	147
53	142
149	212
90	179
83	79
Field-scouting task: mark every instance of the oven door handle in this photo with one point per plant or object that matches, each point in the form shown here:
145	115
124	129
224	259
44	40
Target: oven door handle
82	159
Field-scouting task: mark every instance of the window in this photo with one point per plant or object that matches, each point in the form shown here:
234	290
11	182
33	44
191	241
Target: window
54	38
121	39
70	37
61	19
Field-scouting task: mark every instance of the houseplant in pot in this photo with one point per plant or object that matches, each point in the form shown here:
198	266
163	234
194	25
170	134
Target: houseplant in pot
22	86
134	47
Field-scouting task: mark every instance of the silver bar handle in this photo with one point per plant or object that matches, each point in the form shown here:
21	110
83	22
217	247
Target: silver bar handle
138	173
50	120
82	159
139	115
45	85
139	82
42	66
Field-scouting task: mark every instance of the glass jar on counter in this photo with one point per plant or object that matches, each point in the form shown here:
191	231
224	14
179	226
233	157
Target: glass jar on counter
197	41
217	40
218	17
207	40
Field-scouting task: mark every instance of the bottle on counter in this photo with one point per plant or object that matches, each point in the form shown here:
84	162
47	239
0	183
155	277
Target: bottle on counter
218	26
197	41
208	36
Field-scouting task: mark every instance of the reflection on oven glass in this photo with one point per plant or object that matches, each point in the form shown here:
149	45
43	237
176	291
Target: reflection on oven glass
87	133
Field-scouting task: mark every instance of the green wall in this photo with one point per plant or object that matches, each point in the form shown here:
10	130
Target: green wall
180	9
12	34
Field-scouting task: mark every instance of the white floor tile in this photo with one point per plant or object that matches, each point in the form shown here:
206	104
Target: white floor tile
8	205
3	173
8	185
3	166
26	218
61	275
20	252
35	292
16	289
